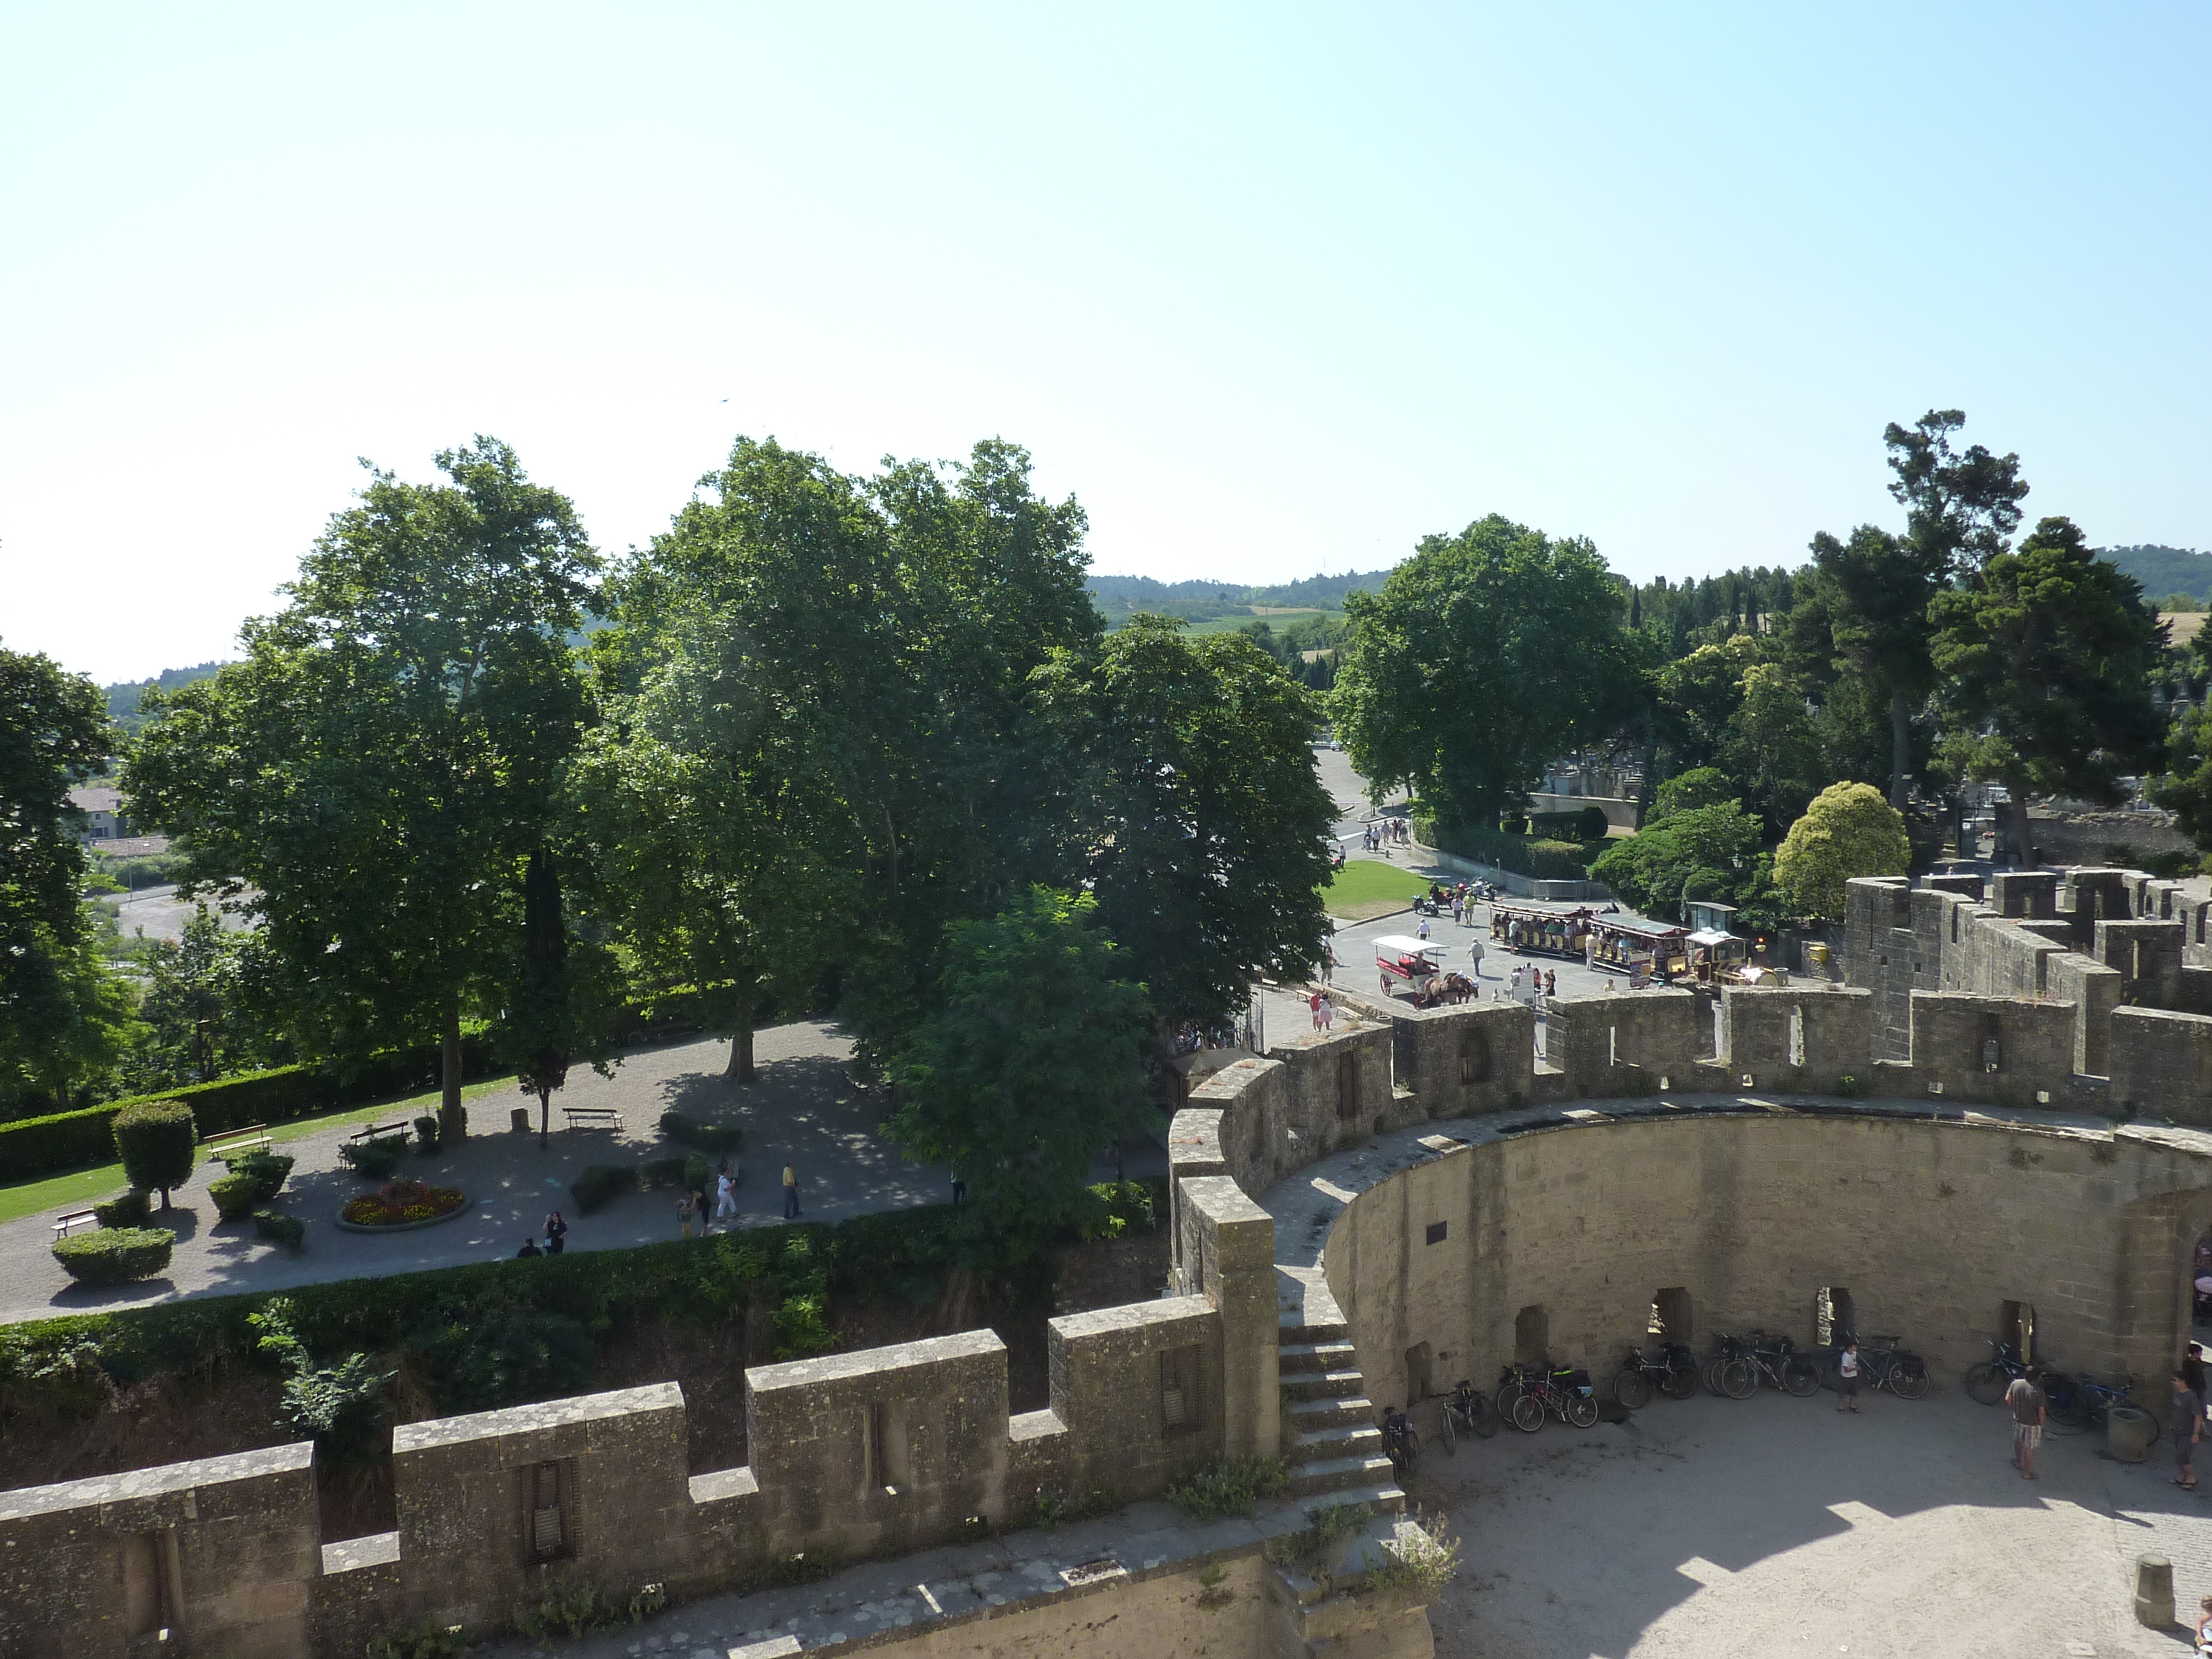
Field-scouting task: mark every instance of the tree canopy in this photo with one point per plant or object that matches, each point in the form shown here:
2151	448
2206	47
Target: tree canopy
1849	831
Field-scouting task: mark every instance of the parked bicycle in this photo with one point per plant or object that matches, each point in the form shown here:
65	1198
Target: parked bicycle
1987	1380
1470	1409
1728	1370
1672	1370
1883	1364
1775	1359
1527	1393
1401	1444
2084	1402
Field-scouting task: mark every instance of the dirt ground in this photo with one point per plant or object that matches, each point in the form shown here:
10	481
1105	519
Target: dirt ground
233	1409
1721	1529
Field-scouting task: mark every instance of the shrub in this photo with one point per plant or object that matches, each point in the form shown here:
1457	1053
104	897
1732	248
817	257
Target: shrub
568	1606
157	1140
1590	824
116	1255
267	1170
424	1641
1851	1086
128	1211
280	1229
689	1131
376	1160
600	1184
340	1407
1540	861
696	1173
426	1134
1425	1556
1215	1486
236	1196
662	1172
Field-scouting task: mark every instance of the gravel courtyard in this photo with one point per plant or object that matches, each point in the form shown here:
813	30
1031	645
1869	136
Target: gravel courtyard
1714	1528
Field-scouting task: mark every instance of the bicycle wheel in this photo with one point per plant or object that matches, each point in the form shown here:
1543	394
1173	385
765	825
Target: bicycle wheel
1582	1410
1802	1378
1712	1376
1481	1415
1452	1434
1907	1383
1527	1412
1631	1387
2070	1401
1738	1380
1507	1394
1986	1384
1680	1383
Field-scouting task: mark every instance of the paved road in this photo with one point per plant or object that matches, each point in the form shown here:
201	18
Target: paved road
804	1108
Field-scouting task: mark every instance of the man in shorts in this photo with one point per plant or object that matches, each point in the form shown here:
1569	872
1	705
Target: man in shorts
2188	1430
2029	1407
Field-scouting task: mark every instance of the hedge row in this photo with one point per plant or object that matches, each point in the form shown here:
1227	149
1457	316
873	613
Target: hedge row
897	1252
35	1146
1540	861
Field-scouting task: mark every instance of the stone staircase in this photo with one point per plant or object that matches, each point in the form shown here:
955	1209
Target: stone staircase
1329	1438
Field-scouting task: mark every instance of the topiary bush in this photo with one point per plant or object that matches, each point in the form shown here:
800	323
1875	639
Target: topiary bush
376	1160
426	1135
600	1184
236	1196
129	1211
267	1170
115	1256
279	1228
157	1140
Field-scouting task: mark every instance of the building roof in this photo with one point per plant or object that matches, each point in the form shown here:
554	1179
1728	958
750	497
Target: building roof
96	798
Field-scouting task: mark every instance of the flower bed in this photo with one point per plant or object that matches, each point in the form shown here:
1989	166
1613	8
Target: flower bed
400	1204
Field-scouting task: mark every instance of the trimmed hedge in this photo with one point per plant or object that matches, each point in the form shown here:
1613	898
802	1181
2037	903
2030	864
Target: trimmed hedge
158	1145
235	1196
283	1229
689	1130
377	1160
1539	860
129	1211
115	1256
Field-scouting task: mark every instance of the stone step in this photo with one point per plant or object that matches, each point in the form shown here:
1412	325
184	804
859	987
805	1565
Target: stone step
1330	1409
1339	1474
1322	1385
1291	1327
1301	1357
1339	1440
1385	1497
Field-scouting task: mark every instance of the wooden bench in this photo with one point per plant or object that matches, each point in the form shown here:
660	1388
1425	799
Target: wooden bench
592	1117
224	1142
372	1131
62	1227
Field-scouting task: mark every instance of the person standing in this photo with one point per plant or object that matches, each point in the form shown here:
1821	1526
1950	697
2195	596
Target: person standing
1423	930
959	1190
1847	1369
2029	1407
556	1231
790	1192
1459	911
1327	963
1313	1005
1328	1012
683	1213
2188	1430
726	1195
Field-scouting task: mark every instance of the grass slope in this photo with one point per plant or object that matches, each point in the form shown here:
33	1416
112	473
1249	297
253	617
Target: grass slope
1369	887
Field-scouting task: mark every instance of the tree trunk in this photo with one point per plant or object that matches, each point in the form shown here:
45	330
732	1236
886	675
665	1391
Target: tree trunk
740	1068
452	1116
544	1117
1901	747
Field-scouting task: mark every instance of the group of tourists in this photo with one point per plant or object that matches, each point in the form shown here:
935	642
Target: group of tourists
555	1231
1386	832
1324	1010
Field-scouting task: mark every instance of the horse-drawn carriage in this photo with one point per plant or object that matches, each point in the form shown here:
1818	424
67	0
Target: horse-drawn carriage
1415	963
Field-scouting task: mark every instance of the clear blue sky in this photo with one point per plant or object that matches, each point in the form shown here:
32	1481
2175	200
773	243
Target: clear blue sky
1272	291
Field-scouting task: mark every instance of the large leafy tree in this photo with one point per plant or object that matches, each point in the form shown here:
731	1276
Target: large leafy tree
1871	591
1192	810
369	782
2046	655
1030	1064
1705	851
1848	831
61	1016
199	1006
1486	655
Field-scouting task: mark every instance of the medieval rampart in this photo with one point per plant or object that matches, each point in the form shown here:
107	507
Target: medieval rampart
1962	1189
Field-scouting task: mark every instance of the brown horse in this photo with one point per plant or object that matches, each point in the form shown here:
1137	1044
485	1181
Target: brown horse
1458	988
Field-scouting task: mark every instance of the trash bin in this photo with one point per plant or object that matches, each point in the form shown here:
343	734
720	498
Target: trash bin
1816	952
518	1120
2128	1433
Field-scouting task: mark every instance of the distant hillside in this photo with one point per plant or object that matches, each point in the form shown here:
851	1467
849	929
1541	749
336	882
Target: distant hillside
1117	597
2164	570
123	700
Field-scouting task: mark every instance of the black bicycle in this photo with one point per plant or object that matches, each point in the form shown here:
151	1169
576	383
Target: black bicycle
2084	1402
1987	1380
1883	1364
1471	1409
1401	1444
1775	1359
1672	1371
1728	1370
1529	1393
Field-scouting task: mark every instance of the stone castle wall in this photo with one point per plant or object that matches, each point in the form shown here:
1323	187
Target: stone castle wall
2093	994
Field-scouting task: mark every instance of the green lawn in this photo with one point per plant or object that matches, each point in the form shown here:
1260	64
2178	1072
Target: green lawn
81	1186
1278	622
1367	887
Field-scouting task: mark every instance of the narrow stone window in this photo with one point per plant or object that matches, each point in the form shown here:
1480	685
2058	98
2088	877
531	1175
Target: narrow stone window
1797	1033
1835	1321
1347	1084
1532	1335
1179	1397
1420	1372
151	1590
1474	1058
890	1446
2016	1325
549	1503
1670	1315
1436	1232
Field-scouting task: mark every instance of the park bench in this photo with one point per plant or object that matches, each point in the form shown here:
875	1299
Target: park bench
62	1227
223	1143
592	1117
372	1131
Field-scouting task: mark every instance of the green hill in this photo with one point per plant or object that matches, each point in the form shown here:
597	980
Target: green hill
1118	597
123	700
2164	570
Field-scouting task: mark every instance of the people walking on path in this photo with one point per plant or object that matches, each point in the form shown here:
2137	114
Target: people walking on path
959	1190
726	1195
2188	1430
684	1211
1327	963
1847	1369
1423	930
702	1209
790	1192
2029	1407
1313	1007
1328	1012
556	1231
